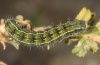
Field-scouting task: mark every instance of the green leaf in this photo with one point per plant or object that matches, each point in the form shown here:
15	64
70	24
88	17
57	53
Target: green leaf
94	47
83	46
98	24
20	17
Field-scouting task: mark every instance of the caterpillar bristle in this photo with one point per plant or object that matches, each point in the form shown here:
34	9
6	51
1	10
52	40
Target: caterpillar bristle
48	36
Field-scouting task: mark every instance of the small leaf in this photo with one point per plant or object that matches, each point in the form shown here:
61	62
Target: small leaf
94	46
85	15
98	24
20	17
83	46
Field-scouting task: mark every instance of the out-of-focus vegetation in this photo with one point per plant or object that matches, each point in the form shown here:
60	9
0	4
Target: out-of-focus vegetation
44	13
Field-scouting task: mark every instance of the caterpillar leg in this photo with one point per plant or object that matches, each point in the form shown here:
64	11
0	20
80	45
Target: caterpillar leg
69	40
48	47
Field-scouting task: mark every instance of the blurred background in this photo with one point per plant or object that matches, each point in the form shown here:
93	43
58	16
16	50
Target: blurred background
44	13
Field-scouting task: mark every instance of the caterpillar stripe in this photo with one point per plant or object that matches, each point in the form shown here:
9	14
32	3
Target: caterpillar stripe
55	33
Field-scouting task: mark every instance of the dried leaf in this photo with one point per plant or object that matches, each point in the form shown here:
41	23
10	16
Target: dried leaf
93	37
2	63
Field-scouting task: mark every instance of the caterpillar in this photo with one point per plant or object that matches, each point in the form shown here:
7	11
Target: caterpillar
47	37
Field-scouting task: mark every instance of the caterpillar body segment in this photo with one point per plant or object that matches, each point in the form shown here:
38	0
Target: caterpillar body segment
49	36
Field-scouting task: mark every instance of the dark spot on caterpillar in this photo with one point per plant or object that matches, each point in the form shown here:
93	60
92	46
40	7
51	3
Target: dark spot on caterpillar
49	36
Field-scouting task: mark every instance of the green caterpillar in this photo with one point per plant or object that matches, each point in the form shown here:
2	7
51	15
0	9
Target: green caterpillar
49	36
